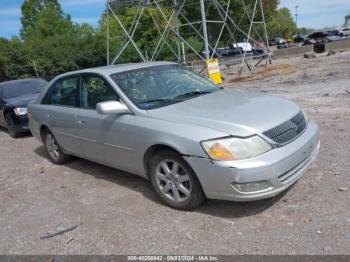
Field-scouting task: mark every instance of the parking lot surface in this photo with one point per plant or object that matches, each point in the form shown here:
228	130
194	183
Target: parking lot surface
119	213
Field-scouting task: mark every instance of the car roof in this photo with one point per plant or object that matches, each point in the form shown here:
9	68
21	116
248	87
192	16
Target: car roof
19	81
112	69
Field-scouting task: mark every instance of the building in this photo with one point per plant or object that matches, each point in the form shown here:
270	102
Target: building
347	21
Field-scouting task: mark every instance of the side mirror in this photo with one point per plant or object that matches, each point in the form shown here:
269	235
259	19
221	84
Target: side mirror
112	108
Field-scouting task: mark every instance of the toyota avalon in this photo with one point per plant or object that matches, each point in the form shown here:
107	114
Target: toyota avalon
192	139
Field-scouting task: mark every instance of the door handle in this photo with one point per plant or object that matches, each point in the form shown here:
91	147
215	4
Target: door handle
80	122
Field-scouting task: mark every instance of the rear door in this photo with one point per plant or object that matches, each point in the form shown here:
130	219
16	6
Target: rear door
60	105
107	138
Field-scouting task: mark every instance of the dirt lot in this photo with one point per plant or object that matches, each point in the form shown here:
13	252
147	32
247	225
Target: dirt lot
119	212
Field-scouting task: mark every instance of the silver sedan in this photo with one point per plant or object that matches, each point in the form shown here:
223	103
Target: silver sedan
192	139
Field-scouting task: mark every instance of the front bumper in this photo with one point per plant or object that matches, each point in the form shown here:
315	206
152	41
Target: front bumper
21	122
279	168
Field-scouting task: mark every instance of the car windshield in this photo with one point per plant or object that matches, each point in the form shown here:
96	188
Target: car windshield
159	86
22	87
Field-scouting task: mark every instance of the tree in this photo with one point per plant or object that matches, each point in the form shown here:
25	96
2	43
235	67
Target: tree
146	35
15	62
42	18
281	23
55	43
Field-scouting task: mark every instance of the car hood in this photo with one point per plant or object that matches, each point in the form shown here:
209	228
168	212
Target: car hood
234	112
21	101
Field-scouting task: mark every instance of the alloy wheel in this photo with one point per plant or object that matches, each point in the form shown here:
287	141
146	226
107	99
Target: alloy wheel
173	181
52	146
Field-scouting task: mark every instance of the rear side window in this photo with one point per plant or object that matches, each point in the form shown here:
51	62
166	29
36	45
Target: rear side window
63	93
95	90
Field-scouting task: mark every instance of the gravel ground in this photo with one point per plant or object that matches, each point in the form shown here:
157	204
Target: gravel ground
119	213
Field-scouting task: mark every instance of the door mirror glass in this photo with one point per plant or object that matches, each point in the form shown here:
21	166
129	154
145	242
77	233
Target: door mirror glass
112	108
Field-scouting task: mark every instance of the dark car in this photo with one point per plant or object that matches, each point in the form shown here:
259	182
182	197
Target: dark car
14	98
299	38
230	51
318	36
305	40
225	51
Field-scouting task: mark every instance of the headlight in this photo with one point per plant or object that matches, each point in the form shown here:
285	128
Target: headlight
20	111
228	149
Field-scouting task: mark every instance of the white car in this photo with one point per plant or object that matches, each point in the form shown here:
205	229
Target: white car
344	32
247	47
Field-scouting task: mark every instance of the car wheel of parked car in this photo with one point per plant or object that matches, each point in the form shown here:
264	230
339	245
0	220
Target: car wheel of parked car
11	126
341	34
54	150
175	182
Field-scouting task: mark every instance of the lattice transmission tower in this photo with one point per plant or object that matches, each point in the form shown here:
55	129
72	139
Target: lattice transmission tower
178	35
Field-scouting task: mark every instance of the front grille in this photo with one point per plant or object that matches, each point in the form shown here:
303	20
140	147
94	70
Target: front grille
287	131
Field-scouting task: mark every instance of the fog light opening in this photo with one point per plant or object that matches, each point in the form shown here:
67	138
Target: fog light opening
253	187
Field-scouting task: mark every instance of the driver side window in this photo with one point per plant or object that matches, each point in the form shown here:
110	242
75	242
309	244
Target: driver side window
95	90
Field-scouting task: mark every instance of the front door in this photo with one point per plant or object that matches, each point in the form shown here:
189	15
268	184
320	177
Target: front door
107	138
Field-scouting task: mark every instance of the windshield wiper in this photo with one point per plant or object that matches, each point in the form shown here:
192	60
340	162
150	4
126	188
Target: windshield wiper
156	102
192	94
162	100
176	99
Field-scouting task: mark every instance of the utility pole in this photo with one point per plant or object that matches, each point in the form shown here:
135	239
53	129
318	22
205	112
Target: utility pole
107	43
205	32
296	17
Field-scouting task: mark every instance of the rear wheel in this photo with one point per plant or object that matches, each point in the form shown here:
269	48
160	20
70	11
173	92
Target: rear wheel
57	156
175	182
341	34
11	126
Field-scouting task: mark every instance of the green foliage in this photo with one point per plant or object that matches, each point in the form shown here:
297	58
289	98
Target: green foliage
305	31
14	60
281	24
51	41
146	35
43	18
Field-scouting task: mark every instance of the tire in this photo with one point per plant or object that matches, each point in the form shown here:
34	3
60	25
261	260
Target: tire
53	149
11	126
175	182
341	34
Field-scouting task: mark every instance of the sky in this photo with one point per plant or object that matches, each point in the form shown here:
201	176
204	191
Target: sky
319	13
312	13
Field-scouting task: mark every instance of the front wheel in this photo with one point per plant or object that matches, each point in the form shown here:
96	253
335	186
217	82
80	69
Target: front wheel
175	182
57	156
